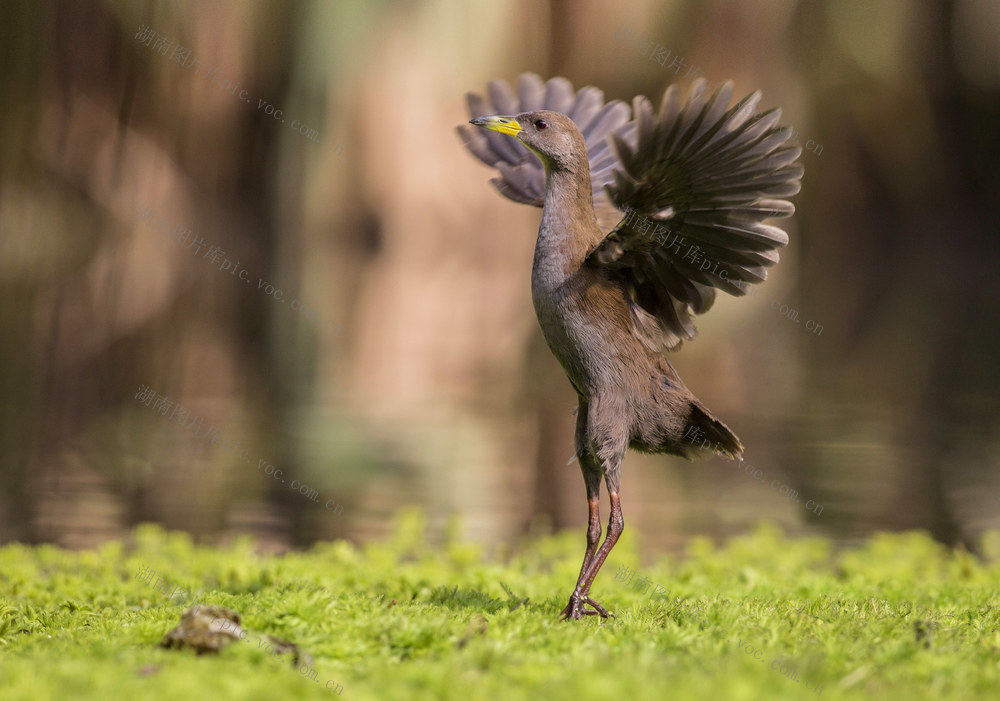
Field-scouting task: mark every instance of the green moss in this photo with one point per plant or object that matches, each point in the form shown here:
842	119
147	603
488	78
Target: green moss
759	618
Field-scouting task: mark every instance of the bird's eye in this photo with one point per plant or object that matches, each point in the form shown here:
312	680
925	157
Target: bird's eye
540	124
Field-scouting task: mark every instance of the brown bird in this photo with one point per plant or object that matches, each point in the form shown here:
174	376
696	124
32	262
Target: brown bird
644	216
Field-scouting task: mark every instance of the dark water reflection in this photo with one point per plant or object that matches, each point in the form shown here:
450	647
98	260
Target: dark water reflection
842	472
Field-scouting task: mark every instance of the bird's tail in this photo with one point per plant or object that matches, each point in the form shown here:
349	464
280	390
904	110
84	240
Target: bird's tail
705	433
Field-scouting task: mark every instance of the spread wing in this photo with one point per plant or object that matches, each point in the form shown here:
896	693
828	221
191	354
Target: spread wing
696	183
522	177
681	194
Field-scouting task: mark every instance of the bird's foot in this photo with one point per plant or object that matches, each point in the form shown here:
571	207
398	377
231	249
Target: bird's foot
599	610
572	609
575	608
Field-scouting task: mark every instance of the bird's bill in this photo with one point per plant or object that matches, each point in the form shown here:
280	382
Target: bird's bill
500	123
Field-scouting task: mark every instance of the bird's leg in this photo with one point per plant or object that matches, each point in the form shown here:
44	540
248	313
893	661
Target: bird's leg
592	479
581	594
593	560
593	533
616	524
592	471
573	608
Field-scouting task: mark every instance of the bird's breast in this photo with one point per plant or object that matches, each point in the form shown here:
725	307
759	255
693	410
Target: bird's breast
586	325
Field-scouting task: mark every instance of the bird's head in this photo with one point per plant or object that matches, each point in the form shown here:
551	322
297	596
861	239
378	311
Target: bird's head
552	136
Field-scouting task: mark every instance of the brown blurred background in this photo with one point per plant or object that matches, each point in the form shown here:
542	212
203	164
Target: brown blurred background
416	374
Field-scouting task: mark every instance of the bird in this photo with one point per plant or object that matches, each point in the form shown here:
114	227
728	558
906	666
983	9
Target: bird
645	215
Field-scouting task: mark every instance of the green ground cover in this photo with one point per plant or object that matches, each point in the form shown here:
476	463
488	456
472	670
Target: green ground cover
762	617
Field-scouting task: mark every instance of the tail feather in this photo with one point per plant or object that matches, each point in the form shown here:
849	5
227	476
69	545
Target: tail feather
704	433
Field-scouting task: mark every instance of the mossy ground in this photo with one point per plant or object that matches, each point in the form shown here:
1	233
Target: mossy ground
763	617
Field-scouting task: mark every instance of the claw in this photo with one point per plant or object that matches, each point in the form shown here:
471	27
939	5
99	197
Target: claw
575	609
600	610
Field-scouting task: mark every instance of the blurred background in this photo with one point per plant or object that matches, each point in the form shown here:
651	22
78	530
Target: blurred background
251	282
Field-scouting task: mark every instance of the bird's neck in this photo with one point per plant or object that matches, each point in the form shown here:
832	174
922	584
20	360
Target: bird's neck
569	230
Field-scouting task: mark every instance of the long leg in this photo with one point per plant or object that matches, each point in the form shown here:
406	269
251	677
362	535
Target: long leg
581	595
592	479
616	524
608	448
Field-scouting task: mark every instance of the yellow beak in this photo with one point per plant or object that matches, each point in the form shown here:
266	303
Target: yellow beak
504	125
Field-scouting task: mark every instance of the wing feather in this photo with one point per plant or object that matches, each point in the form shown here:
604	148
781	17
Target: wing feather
696	183
682	192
